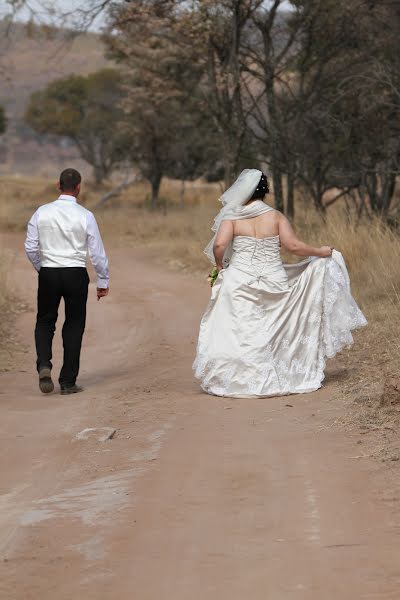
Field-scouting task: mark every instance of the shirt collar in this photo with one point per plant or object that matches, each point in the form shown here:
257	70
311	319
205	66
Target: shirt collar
67	197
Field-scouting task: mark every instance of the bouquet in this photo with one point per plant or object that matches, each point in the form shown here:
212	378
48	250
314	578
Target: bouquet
212	276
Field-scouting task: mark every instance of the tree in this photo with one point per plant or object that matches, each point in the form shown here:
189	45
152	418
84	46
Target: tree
327	51
171	135
268	50
216	31
312	125
378	92
196	152
288	84
87	111
204	38
347	68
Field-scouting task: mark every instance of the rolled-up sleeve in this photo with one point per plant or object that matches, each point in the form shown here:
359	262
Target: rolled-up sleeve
32	243
97	253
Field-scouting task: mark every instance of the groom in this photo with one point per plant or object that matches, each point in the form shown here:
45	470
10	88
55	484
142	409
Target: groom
59	236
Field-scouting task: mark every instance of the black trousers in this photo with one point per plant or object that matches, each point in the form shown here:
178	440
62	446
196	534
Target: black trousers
70	283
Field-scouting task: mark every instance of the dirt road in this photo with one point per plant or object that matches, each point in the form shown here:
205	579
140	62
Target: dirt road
195	498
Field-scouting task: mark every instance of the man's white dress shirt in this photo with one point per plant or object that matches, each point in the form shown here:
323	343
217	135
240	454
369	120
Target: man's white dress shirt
61	234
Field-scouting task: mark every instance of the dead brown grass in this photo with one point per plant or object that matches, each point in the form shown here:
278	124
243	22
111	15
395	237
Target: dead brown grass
8	311
5	261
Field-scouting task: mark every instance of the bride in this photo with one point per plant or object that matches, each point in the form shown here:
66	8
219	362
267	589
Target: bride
269	327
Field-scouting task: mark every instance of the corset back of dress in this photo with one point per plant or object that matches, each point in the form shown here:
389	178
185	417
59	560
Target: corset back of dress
259	257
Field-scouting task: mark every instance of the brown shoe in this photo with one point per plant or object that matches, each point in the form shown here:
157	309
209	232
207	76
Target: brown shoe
71	389
46	384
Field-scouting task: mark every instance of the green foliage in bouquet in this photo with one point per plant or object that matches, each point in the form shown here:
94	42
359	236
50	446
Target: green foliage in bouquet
212	276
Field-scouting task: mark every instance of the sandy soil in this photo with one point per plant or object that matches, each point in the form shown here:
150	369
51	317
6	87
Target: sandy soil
195	498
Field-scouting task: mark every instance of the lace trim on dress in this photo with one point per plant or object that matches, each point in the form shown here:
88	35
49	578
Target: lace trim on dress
337	315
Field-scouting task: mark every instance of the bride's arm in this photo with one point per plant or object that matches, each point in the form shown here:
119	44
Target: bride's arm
294	245
222	241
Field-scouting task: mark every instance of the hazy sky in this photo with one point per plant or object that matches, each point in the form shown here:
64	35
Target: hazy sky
42	8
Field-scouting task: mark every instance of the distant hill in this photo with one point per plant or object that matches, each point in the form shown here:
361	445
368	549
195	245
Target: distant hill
31	57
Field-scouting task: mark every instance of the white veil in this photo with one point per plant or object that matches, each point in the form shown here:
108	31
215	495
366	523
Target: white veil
234	201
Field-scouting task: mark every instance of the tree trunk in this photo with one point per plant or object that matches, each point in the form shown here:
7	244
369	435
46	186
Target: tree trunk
371	185
319	189
388	186
290	196
155	189
276	167
116	191
277	182
182	194
318	204
229	160
99	174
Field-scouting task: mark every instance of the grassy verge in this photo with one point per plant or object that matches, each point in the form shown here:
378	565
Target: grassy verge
8	311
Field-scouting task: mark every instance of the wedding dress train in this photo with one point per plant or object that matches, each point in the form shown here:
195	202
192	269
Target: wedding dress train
269	327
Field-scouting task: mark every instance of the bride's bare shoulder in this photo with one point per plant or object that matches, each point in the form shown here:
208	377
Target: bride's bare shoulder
280	217
271	215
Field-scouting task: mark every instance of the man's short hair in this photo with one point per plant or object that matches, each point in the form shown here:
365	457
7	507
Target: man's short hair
69	180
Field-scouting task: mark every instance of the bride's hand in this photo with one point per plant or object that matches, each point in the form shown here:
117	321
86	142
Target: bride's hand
326	251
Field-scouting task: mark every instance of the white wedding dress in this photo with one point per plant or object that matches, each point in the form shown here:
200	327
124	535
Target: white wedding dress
269	327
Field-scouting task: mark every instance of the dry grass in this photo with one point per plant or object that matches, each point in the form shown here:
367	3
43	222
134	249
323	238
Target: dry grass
372	253
5	291
19	198
178	236
8	311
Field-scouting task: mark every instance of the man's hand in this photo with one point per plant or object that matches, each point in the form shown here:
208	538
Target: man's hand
102	292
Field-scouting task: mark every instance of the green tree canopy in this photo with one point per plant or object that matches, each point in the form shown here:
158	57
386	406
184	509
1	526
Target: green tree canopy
88	111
